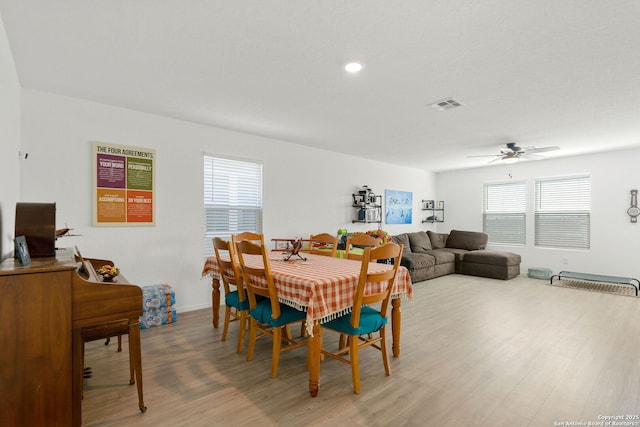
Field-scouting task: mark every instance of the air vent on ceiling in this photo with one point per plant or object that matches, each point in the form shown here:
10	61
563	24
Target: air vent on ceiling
446	104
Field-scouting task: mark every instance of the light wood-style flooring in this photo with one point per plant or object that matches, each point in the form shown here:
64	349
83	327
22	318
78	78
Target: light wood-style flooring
475	352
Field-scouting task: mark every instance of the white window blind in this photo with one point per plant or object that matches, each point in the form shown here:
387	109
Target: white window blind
232	199
563	212
504	212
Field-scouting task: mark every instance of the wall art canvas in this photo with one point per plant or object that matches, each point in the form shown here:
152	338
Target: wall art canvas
398	206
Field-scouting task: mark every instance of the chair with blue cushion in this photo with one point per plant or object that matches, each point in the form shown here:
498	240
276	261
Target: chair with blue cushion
268	316
235	297
363	321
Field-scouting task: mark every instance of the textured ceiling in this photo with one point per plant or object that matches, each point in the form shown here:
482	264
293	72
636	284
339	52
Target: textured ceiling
538	73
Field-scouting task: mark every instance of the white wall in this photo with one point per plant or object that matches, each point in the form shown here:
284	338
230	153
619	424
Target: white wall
305	190
9	144
615	241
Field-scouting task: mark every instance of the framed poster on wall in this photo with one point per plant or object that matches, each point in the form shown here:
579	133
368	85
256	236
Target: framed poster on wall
123	185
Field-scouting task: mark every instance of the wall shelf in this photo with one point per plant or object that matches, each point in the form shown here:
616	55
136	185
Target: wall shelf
369	206
434	210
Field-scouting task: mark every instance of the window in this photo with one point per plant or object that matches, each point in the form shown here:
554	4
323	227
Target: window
563	212
232	199
504	212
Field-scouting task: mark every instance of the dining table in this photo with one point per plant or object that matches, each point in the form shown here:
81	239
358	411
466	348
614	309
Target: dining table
324	288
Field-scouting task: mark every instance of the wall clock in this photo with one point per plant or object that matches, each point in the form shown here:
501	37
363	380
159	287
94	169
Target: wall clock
634	210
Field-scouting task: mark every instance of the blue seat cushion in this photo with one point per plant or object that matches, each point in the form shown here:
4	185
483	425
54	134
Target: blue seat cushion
232	300
262	313
370	321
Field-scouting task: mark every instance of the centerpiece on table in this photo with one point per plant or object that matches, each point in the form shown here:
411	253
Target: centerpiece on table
108	272
380	234
296	246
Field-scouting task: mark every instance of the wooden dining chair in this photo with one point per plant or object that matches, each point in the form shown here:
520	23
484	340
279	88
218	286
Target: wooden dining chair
268	317
248	235
235	296
359	241
363	321
323	244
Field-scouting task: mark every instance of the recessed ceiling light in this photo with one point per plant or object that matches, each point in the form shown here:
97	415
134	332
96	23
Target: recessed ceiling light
353	67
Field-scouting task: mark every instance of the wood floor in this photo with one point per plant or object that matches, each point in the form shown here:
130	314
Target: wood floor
475	352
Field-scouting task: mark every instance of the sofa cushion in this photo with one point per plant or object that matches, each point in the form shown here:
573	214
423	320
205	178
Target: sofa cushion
459	253
469	240
438	240
420	242
414	261
504	272
402	239
442	256
492	258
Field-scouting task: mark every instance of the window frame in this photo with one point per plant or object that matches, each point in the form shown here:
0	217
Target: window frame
562	212
511	212
223	197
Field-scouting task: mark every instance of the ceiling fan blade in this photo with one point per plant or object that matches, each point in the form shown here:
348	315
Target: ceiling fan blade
541	149
488	155
528	155
497	160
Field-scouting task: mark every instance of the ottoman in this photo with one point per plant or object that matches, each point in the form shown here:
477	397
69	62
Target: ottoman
492	264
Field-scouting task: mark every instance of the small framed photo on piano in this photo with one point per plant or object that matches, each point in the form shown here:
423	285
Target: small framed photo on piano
21	250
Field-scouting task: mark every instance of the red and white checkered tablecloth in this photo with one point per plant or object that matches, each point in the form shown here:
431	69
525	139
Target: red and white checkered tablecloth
323	286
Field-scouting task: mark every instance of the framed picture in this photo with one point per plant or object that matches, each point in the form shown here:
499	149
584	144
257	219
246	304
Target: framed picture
21	250
398	206
123	185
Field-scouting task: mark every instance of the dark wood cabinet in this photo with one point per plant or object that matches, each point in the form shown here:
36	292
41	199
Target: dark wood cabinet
36	343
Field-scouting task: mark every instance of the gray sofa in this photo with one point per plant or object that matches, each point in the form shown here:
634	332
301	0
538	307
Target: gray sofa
428	254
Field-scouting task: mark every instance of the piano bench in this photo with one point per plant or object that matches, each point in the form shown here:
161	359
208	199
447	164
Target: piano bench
106	331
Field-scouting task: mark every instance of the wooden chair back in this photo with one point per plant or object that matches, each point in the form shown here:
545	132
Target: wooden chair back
248	235
361	240
229	269
388	251
320	241
256	276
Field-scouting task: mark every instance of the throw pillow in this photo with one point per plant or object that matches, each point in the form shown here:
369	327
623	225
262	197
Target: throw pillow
419	242
402	239
438	240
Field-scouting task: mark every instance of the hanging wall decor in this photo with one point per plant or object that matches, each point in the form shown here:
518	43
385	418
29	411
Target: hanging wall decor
398	207
123	185
634	210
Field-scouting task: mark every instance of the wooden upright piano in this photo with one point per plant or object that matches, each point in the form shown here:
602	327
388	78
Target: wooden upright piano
47	311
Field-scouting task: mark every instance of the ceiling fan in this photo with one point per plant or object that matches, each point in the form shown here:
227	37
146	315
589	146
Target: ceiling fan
512	153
